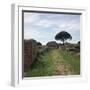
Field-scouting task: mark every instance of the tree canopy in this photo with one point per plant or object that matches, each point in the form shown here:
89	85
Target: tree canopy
39	44
63	36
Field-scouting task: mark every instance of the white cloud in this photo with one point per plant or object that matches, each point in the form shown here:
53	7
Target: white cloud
44	23
30	18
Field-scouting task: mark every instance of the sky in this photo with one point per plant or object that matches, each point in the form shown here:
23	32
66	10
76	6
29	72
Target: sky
44	26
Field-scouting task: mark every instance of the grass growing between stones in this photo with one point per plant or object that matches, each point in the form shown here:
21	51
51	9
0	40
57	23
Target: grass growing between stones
55	62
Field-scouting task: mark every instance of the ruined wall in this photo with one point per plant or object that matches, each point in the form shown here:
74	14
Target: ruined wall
27	55
30	52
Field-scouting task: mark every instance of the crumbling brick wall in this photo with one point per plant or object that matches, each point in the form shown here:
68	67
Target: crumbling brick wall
30	51
27	55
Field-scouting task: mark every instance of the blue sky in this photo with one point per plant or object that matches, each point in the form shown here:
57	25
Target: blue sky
44	26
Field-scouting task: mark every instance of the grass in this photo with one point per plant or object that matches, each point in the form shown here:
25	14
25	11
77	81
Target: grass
73	59
55	62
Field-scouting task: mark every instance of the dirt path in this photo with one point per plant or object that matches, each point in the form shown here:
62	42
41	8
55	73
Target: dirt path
60	66
54	63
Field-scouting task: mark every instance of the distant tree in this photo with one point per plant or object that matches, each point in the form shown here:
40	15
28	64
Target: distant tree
63	36
39	44
78	42
52	44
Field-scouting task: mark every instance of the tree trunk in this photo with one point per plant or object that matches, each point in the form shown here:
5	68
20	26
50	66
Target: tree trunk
63	42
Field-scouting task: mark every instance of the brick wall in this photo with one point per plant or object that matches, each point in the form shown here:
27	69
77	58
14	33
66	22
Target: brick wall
30	47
